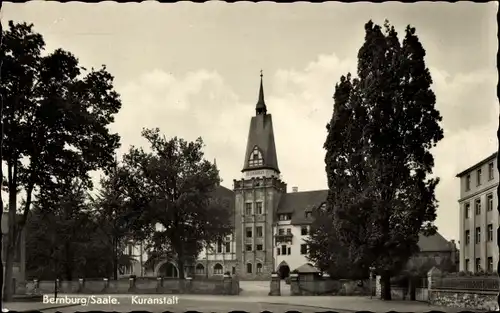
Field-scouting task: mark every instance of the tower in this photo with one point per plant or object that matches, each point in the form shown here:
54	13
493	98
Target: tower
257	196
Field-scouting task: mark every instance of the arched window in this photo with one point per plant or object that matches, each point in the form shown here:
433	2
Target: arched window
218	269
259	268
200	269
256	158
249	268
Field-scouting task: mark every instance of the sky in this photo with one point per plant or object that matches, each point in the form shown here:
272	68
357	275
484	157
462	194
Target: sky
193	70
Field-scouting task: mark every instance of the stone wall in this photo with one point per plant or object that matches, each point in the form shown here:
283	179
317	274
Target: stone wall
326	286
223	286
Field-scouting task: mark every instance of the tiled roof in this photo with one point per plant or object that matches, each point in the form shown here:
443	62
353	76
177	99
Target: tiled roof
307	269
434	243
261	134
298	203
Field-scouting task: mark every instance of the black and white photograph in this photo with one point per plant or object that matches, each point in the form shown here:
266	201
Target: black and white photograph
219	157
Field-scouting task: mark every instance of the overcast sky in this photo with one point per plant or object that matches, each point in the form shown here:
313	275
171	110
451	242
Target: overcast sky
193	70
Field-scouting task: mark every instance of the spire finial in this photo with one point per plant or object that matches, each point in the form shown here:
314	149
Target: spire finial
261	109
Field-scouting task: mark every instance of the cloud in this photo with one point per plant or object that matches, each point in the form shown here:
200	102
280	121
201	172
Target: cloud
201	103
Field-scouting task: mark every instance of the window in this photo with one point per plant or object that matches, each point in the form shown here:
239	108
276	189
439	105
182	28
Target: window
129	249
490	264
467	265
228	246
255	158
248	247
303	231
491	171
249	268
490	232
478	264
248	208
228	238
477	206
489	202
219	247
234	270
303	249
467	209
478	176
218	269
259	268
467	237
281	231
283	249
289	251
308	214
200	269
285	217
258	231
278	251
249	232
467	182
288	231
259	248
258	208
478	235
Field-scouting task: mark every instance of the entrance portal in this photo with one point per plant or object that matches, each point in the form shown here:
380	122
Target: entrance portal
284	271
169	270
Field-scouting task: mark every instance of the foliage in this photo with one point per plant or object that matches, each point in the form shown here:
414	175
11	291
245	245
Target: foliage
55	118
173	187
378	159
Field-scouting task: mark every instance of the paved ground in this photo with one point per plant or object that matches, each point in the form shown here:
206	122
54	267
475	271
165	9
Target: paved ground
243	303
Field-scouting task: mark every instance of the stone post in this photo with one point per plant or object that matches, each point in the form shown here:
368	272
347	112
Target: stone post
327	284
294	284
275	285
378	286
131	284
432	276
228	284
188	286
106	285
159	284
81	285
36	286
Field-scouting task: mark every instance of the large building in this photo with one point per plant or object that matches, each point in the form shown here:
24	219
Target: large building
270	223
479	216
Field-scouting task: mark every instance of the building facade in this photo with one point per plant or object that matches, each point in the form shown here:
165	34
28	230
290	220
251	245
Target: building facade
479	216
271	224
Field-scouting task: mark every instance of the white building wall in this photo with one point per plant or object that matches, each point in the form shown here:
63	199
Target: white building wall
295	259
485	249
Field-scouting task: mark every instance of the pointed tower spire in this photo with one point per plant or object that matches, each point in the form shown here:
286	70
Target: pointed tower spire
260	108
215	162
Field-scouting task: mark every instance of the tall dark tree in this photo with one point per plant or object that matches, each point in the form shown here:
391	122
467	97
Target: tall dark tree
173	185
1	167
55	120
378	158
115	215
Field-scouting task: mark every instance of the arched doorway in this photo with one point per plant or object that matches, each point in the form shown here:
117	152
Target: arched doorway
169	270
283	270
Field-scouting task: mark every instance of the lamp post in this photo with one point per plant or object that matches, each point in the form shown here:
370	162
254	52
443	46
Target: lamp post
372	270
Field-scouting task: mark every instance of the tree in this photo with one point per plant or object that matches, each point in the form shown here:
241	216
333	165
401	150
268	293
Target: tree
173	186
115	214
378	158
1	167
55	120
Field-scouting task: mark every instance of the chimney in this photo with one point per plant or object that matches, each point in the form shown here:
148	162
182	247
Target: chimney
295	189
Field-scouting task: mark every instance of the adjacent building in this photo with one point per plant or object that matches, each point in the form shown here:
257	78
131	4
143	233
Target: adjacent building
479	216
271	224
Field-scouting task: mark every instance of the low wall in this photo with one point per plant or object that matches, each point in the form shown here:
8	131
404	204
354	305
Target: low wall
215	286
468	292
328	286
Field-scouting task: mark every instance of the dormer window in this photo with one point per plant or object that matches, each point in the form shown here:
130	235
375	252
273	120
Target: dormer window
285	217
256	158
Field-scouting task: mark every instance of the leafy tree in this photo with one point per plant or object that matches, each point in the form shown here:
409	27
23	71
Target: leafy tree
173	186
55	119
378	158
1	169
115	215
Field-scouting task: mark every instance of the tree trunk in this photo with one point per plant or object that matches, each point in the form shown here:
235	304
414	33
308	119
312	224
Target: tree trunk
115	258
180	267
68	264
386	286
11	239
9	264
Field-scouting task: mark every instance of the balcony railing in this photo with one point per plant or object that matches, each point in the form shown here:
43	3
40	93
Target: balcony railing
283	238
